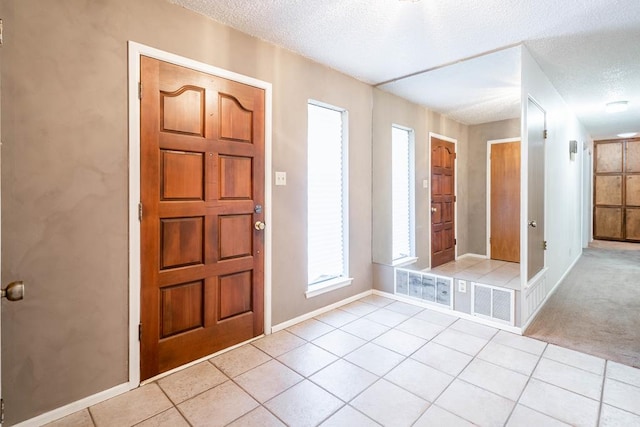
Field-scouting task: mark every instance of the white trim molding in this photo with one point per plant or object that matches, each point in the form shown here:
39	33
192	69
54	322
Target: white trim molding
307	316
76	406
136	50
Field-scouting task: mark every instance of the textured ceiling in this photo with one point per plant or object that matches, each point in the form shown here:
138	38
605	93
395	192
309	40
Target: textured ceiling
590	49
479	90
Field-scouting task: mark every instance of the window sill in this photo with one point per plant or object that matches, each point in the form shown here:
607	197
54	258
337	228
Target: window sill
328	286
404	261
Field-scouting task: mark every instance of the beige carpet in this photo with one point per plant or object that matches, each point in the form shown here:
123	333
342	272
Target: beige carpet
596	309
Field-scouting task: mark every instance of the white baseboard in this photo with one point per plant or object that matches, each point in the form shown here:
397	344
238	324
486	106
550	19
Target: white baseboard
307	316
76	406
470	255
546	298
461	315
88	401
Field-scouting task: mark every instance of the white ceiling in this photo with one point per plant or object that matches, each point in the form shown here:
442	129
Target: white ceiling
589	49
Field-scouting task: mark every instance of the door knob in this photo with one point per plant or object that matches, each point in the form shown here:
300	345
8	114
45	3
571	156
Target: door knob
532	223
434	210
13	292
259	225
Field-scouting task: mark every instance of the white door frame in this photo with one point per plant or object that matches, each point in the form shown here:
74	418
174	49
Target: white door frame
2	285
455	192
489	144
137	50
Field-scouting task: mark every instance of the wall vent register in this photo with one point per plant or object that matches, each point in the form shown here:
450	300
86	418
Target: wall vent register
425	287
494	303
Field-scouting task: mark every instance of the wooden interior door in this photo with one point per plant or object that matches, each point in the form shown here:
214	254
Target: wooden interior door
617	190
202	191
536	134
443	239
505	201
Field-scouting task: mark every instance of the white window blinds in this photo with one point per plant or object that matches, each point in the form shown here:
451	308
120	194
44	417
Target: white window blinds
402	192
327	206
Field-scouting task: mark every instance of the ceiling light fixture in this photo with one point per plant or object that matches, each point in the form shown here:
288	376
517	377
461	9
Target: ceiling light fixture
616	107
627	134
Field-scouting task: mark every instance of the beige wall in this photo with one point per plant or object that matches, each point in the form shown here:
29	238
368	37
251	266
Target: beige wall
477	178
389	109
64	182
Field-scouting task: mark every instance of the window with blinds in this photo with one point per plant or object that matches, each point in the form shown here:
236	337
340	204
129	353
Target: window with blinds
402	170
327	199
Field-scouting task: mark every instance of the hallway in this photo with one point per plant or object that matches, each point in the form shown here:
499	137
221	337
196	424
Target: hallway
596	308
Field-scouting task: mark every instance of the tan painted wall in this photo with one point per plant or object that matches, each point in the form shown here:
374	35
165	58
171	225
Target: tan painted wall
64	181
389	109
477	179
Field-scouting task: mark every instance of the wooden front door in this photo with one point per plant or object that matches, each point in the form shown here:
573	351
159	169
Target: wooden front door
443	239
202	192
505	201
617	190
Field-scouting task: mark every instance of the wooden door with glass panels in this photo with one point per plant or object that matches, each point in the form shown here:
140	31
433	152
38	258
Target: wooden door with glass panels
617	190
202	193
443	239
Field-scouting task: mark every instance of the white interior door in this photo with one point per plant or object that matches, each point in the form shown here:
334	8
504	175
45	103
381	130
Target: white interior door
536	130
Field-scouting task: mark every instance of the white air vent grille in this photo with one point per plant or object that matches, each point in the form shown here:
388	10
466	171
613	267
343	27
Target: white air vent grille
482	301
493	303
424	287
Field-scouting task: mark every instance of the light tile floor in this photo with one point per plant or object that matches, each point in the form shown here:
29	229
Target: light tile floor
382	362
487	271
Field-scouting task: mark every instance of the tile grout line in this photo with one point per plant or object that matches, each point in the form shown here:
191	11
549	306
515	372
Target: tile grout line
378	377
93	421
604	379
174	405
526	385
407	316
307	378
455	377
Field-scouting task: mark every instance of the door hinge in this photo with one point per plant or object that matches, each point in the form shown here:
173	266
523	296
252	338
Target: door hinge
455	242
545	134
455	198
140	211
1	411
544	245
139	90
139	331
1	40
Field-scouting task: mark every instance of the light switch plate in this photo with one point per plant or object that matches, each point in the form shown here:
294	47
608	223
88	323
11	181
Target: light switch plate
425	183
281	178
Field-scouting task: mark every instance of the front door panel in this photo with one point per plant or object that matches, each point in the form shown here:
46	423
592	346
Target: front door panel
442	201
202	175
